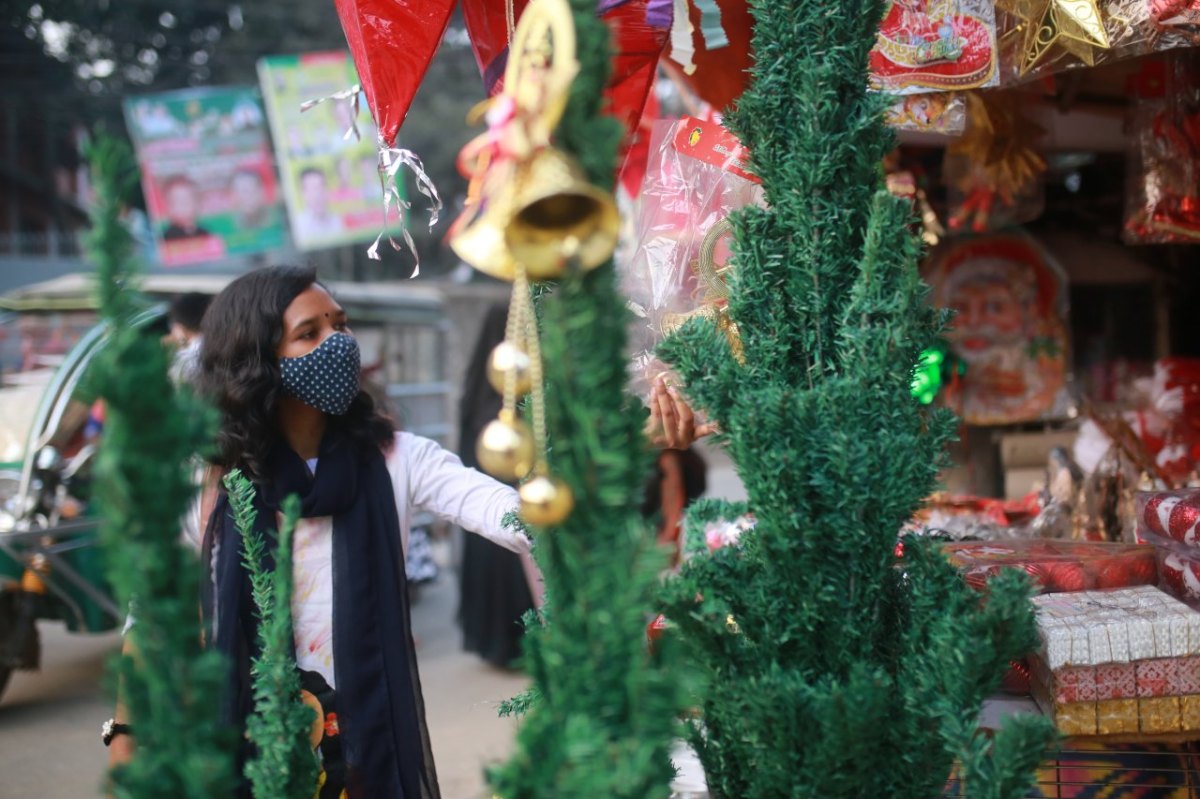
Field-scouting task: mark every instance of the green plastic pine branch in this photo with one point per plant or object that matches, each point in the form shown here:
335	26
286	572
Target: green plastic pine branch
284	765
144	487
831	671
603	711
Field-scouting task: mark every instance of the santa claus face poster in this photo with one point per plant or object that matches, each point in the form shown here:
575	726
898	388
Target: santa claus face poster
1009	328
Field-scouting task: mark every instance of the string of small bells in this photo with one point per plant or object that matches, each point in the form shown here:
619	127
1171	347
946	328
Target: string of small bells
536	218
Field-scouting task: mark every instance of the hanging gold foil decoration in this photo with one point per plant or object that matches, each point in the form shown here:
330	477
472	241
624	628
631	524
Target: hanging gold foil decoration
997	158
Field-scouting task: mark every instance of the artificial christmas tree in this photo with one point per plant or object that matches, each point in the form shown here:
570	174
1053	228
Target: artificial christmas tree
283	729
144	485
604	710
832	672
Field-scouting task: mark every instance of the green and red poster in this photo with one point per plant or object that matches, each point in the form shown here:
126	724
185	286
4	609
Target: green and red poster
207	173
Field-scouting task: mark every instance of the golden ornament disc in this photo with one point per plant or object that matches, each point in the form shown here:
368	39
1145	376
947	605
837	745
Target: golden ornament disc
505	358
546	501
505	449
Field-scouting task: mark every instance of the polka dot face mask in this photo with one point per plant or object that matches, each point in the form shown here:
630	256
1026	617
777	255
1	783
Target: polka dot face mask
327	377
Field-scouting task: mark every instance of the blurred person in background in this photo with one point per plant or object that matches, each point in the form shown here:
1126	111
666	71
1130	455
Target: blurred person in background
185	315
493	591
494	583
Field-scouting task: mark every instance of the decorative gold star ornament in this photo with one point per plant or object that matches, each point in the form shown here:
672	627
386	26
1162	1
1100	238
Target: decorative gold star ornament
1077	26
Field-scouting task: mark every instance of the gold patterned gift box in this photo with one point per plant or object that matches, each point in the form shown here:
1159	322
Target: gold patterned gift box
1154	716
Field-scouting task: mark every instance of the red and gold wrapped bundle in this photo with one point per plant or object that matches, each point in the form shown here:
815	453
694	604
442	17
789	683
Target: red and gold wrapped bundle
1057	566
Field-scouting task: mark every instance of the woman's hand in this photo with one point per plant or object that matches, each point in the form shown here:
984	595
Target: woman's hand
672	423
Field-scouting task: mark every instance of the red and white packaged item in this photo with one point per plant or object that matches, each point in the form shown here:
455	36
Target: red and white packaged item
697	174
1166	516
1179	574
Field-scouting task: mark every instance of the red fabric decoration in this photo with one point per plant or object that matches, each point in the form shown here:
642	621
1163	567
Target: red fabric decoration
722	75
392	43
638	156
637	45
654	631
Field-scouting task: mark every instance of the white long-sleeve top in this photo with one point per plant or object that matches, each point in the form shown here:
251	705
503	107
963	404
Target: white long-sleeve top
425	477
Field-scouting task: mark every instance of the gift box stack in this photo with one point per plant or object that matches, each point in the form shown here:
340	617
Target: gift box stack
1056	566
1123	662
1171	521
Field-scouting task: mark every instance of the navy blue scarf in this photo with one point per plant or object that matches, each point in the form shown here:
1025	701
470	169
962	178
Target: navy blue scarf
381	714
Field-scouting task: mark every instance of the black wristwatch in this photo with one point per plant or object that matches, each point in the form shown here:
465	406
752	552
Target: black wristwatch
112	729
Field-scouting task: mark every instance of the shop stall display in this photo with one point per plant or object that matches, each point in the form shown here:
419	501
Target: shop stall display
843	180
1118	662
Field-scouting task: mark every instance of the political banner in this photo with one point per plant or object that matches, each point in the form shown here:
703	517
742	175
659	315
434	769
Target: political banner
330	175
207	173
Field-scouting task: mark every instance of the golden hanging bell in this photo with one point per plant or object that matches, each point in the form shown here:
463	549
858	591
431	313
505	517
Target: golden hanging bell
481	243
557	216
505	449
545	501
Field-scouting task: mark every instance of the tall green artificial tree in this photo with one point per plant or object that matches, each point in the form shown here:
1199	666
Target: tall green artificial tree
171	685
284	765
605	709
832	672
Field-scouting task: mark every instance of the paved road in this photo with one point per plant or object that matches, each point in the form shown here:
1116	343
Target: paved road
50	720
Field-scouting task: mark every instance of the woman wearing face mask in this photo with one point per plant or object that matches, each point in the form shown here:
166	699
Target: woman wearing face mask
281	364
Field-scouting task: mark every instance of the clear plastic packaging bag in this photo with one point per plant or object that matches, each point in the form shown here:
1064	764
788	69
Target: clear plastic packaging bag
696	176
944	113
1162	203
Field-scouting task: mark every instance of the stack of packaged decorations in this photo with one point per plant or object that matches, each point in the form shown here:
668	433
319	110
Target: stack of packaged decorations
1055	566
1118	663
1171	521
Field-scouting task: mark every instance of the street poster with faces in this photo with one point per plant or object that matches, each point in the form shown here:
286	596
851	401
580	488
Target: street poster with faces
327	150
1010	327
207	173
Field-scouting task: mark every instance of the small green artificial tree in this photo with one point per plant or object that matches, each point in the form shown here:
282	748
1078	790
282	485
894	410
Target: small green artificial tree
284	765
144	486
832	672
602	712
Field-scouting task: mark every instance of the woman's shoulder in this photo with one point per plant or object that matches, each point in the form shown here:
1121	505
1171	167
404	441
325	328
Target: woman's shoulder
406	447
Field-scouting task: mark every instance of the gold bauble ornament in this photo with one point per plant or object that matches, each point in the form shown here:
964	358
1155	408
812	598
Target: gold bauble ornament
505	449
508	357
546	501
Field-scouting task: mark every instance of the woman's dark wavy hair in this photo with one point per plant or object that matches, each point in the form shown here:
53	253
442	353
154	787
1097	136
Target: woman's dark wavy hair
240	376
